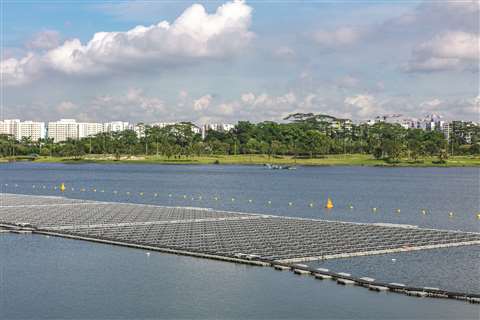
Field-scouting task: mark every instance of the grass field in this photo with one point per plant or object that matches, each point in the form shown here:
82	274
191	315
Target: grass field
331	160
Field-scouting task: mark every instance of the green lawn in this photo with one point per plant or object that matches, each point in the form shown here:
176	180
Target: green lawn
331	160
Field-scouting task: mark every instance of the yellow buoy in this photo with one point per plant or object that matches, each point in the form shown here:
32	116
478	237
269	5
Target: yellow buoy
310	205
351	207
329	204
398	210
374	209
478	216
62	187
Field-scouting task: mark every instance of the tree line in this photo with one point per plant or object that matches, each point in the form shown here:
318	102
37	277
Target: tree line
305	135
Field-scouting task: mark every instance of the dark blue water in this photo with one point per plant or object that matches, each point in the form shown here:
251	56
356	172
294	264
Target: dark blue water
60	278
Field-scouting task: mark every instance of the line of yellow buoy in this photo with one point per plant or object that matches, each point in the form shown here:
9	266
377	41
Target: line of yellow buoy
329	204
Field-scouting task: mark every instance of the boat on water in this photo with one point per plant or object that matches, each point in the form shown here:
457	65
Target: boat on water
278	167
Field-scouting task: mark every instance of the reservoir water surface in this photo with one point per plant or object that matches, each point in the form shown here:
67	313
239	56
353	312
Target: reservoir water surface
52	277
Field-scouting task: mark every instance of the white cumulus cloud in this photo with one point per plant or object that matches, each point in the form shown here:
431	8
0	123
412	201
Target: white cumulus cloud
202	103
46	39
452	50
195	35
363	105
339	37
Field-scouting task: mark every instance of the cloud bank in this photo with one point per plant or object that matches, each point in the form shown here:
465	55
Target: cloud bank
452	50
194	36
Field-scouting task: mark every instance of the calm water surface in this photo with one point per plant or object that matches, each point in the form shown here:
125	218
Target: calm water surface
60	278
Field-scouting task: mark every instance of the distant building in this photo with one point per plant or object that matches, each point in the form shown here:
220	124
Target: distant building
447	130
116	126
62	130
34	130
162	124
9	126
464	130
342	125
23	129
88	129
195	129
220	127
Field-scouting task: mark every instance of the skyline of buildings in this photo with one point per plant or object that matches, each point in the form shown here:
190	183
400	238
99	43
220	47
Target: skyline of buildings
65	129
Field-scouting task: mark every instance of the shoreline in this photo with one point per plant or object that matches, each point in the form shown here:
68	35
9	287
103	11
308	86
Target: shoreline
356	160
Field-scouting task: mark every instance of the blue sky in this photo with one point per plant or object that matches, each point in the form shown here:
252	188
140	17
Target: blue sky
224	61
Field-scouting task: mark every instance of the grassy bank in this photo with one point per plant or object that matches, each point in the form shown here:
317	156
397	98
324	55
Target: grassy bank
331	160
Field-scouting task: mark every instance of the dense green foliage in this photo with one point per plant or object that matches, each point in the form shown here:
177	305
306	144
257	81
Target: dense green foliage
306	136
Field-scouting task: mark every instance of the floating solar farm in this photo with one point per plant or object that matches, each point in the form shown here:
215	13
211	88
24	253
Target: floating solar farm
240	237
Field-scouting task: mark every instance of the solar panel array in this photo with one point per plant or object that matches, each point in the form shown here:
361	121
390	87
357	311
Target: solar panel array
216	232
89	214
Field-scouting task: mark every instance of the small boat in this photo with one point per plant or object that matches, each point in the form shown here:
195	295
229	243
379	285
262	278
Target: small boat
278	167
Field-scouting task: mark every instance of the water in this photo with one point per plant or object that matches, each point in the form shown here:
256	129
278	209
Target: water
59	278
63	278
455	269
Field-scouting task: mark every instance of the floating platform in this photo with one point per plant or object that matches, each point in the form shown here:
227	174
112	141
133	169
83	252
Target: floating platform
257	239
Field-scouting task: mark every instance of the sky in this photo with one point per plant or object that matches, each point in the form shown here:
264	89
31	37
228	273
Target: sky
225	61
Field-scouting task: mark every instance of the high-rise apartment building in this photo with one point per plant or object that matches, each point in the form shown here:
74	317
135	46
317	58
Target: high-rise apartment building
86	129
32	129
116	126
9	126
63	130
23	129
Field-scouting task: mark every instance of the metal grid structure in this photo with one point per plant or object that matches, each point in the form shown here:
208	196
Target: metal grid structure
87	215
7	199
275	238
219	233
